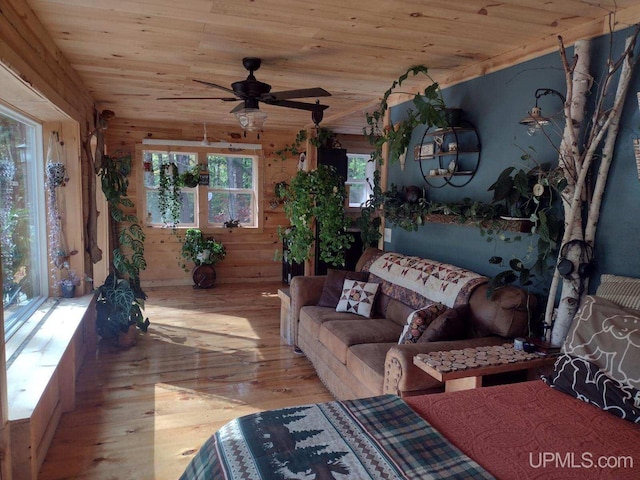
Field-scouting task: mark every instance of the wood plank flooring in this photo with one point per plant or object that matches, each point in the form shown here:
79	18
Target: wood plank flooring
209	356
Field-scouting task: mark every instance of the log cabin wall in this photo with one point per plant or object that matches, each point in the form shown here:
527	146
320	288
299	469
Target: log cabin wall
251	253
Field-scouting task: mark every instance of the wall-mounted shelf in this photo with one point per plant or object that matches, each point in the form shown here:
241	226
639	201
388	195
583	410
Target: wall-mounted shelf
514	225
457	151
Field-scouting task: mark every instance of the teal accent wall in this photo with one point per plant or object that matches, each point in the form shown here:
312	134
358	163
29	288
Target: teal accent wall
495	103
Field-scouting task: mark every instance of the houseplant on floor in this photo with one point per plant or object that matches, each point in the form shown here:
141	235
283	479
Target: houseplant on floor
120	300
204	253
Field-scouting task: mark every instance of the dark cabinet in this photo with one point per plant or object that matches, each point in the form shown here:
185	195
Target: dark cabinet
336	157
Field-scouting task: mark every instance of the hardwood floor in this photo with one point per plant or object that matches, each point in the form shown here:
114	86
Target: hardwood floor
209	356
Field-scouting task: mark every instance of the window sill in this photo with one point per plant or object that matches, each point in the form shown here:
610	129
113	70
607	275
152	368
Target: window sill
35	352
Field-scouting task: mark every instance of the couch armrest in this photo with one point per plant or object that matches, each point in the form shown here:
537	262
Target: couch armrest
402	377
304	291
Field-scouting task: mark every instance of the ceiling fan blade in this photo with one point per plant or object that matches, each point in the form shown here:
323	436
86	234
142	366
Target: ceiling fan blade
300	93
238	107
224	99
214	85
299	105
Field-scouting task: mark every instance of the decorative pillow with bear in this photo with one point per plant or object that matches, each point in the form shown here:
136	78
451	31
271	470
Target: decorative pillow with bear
600	360
419	320
357	297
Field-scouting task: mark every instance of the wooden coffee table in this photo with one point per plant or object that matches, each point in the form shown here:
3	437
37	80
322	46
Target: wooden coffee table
463	369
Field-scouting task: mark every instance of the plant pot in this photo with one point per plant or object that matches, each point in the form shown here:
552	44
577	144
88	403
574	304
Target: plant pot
68	290
453	116
204	276
129	338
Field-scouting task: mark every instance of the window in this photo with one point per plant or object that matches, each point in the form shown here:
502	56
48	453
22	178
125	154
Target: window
232	190
229	196
359	178
153	163
22	231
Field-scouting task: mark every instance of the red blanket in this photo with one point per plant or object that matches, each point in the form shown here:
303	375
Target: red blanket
529	430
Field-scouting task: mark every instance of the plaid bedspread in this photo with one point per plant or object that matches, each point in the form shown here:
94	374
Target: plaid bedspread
372	438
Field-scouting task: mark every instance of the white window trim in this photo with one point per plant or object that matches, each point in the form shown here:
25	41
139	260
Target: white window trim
40	234
368	180
253	191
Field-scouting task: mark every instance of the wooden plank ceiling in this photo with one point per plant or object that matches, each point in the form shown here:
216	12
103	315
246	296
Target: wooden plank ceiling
130	52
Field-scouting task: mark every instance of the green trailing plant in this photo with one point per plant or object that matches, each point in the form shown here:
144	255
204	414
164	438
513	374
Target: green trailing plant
120	299
169	194
428	109
370	220
322	138
190	178
316	196
200	250
534	196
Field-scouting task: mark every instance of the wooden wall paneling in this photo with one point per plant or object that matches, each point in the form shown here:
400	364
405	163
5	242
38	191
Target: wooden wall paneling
251	253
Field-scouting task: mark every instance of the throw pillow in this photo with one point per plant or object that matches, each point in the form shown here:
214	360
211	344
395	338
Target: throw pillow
357	297
419	320
332	287
600	358
451	325
625	291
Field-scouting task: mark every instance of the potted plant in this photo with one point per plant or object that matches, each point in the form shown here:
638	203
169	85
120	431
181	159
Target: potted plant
120	300
119	305
204	253
69	283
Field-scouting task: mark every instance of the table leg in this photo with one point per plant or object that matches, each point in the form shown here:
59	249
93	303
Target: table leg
465	383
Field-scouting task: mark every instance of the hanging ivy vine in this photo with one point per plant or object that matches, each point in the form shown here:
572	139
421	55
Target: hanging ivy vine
316	195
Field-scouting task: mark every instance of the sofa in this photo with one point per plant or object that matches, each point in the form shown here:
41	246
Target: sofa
420	306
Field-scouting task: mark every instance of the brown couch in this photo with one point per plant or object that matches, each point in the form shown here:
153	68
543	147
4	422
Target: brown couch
359	357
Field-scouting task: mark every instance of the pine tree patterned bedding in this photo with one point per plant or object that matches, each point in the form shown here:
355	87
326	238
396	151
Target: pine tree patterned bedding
372	438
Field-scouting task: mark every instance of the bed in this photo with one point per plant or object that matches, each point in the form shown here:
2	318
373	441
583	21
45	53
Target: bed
581	422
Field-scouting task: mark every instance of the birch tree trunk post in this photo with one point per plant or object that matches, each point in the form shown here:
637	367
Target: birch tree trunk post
629	63
602	121
578	82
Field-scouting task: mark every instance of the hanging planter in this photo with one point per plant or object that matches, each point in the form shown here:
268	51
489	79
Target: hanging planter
56	174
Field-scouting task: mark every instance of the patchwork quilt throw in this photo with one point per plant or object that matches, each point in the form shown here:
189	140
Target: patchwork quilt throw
373	438
436	281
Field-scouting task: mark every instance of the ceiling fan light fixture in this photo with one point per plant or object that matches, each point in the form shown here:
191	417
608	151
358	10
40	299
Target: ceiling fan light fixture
251	119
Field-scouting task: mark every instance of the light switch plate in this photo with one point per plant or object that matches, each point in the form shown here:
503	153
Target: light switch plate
387	235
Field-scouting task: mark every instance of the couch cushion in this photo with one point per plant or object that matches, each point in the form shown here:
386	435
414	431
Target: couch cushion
366	363
357	297
451	325
312	317
506	313
332	287
338	335
625	291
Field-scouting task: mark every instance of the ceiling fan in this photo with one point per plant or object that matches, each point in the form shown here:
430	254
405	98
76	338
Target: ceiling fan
252	92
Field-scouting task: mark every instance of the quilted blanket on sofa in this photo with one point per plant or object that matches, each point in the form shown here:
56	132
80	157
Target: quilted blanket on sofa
435	281
372	438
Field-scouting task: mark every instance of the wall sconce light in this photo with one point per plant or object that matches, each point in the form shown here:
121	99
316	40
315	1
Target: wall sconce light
535	121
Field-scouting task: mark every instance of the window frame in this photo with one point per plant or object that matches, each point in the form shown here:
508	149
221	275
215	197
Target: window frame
201	201
37	187
253	191
194	190
367	181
